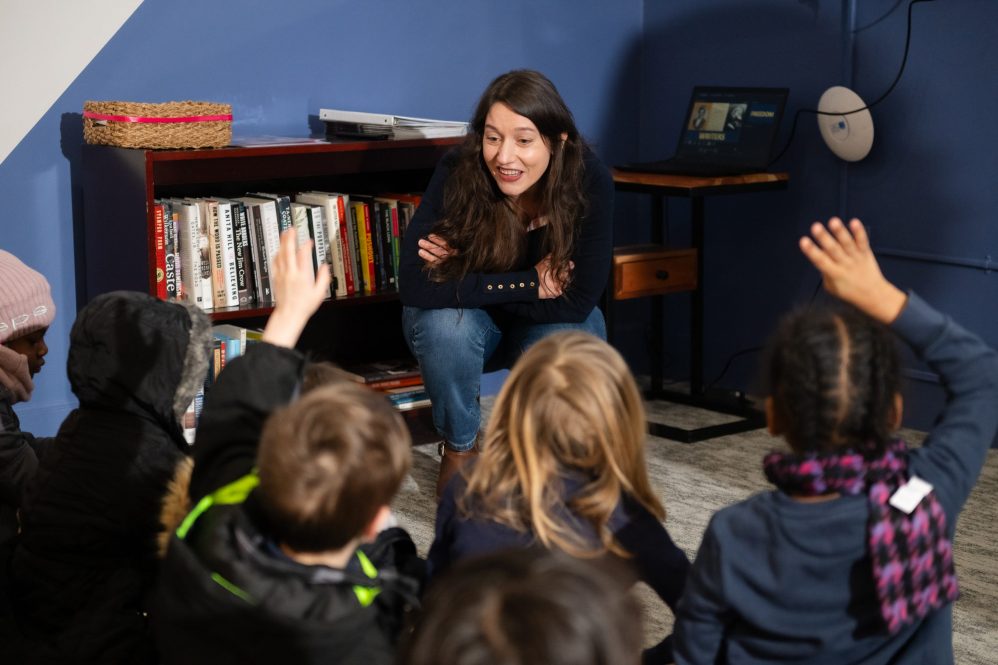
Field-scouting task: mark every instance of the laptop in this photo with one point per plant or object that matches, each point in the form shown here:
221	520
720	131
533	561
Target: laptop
727	131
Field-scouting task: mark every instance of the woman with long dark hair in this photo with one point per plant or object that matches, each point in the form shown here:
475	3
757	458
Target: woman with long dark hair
512	241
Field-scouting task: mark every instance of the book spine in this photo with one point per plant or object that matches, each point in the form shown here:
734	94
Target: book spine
391	269
262	261
272	235
190	290
356	225
244	261
299	216
348	257
370	275
285	221
377	245
396	239
321	250
219	287
207	256
159	238
191	266
189	423
335	247
395	383
227	231
170	248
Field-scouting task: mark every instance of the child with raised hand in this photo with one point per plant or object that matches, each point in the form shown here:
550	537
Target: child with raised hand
285	557
849	559
563	467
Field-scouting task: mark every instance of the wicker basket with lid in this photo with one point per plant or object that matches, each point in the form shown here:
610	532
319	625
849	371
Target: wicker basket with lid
187	124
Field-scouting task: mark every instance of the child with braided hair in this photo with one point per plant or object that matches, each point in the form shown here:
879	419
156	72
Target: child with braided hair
850	559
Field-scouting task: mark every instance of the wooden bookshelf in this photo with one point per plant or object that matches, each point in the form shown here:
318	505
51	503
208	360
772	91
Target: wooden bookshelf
116	247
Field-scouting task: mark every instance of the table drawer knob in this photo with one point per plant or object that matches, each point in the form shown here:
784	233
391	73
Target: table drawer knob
662	274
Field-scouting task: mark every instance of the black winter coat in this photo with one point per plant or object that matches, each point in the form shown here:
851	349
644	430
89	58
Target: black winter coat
86	559
226	594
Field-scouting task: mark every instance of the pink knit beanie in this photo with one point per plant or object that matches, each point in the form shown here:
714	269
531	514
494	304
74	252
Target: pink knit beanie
25	299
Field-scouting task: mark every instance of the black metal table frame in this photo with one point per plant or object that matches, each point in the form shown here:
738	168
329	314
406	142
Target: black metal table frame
749	417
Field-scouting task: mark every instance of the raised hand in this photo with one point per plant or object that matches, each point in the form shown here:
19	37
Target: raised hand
850	270
297	293
433	250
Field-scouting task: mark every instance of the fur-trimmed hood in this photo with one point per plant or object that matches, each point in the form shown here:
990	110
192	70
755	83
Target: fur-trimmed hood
132	352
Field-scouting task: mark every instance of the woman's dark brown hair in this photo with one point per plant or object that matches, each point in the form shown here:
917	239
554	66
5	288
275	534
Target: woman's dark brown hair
479	221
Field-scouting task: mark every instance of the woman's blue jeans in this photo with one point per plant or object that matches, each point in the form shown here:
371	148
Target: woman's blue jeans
455	346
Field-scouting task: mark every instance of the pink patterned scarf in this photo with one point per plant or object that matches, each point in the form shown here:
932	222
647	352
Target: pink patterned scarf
911	554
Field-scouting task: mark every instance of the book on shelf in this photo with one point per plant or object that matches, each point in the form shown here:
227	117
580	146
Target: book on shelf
393	236
283	205
193	289
170	228
362	124
379	371
409	398
332	204
266	219
189	421
360	227
244	259
374	236
159	242
225	291
303	226
258	254
243	336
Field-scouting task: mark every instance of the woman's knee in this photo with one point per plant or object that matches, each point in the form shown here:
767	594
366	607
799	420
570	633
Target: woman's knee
454	333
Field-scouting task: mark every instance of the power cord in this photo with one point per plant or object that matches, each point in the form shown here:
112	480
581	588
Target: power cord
897	79
793	129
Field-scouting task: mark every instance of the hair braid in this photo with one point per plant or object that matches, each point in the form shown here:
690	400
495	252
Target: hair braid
833	374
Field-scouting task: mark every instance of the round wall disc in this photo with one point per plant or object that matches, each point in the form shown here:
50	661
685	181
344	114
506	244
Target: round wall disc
850	135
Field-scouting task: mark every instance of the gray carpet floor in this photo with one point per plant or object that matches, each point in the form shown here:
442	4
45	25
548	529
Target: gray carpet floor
694	480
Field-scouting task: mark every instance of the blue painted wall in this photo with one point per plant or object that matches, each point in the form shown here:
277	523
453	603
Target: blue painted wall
278	63
926	187
626	69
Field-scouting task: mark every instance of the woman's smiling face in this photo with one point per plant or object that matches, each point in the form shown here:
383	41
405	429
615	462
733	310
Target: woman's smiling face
516	154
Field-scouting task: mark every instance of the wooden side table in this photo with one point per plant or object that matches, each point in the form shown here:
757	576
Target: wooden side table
654	270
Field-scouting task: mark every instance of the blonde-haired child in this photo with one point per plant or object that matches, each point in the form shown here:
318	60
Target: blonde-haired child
563	467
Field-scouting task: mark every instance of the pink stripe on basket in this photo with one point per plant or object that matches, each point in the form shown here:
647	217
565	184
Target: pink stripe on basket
133	118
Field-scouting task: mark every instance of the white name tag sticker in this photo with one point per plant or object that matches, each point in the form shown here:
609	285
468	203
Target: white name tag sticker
908	496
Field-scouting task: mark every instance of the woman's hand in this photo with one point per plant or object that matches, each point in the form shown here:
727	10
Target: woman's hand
433	250
850	270
551	283
297	293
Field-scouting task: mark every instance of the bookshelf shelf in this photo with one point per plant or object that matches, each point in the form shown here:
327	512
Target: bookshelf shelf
115	242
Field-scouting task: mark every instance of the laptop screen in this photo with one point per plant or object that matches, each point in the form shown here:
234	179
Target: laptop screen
731	126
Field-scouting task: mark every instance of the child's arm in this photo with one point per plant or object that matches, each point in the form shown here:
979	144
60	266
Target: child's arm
265	378
956	448
701	616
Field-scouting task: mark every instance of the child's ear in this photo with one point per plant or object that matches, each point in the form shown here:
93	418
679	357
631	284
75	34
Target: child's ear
379	522
772	422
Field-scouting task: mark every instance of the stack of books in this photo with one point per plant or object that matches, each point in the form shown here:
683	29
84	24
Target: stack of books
360	124
399	380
